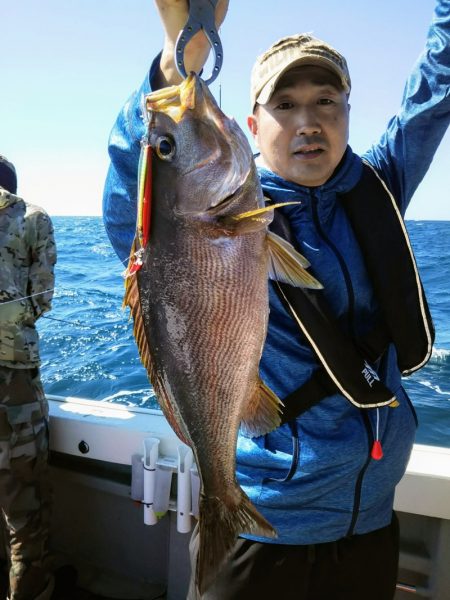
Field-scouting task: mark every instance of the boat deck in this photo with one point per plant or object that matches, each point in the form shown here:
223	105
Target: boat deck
65	587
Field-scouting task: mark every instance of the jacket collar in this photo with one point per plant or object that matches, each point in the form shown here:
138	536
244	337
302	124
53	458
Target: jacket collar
6	198
344	179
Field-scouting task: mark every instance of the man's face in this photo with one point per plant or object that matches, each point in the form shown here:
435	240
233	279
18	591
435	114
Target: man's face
302	132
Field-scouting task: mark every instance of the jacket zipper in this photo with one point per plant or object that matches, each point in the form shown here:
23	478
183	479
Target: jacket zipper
345	272
359	480
351	311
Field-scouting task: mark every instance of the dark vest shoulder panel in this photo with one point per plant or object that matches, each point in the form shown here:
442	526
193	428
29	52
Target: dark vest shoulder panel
384	241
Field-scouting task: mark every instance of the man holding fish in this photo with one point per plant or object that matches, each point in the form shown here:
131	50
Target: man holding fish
321	466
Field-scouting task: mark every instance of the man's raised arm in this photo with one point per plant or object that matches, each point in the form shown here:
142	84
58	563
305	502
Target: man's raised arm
406	149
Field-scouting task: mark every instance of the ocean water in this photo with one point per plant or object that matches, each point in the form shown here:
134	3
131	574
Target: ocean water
88	349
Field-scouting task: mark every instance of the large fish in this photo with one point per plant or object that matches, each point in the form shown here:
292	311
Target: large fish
197	287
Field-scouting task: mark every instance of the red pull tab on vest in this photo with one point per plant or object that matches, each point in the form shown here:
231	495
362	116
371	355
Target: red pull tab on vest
377	450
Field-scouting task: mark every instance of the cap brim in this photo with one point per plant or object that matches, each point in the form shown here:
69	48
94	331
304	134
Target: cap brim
266	93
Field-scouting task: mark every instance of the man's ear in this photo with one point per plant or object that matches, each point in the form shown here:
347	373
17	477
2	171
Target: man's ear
252	123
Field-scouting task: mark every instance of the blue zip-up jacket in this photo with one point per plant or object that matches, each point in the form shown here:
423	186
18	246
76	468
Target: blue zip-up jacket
314	478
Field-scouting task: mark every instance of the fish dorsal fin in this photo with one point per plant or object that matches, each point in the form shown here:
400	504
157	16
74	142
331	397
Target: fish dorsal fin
262	412
287	265
132	300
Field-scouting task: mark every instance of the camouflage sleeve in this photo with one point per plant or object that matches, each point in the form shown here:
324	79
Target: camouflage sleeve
41	279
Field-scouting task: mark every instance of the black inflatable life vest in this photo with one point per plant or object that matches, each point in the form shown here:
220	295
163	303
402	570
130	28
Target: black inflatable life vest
346	364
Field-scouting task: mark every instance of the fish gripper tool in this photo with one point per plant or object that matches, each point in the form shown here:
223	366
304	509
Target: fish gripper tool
201	16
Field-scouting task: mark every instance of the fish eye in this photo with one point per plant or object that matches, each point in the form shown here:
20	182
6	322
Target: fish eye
165	147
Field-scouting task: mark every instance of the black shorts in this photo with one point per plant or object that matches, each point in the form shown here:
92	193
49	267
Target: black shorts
361	567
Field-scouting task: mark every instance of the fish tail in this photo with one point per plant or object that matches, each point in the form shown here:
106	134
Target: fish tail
219	527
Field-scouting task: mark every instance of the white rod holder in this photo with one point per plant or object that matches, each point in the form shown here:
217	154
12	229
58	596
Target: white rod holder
185	460
162	492
195	490
149	460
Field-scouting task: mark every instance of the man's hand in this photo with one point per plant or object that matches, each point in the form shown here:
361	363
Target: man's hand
174	14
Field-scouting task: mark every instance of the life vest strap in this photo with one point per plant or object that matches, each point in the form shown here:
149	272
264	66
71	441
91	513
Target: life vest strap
318	387
347	364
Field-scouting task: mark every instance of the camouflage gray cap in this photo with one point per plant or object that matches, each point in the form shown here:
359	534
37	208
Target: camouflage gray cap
289	52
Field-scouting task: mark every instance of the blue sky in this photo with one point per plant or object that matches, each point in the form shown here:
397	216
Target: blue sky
68	66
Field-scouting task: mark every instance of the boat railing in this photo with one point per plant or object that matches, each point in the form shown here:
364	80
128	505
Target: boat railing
163	478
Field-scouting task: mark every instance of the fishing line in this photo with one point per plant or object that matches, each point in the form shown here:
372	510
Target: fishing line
26	297
220	78
76	323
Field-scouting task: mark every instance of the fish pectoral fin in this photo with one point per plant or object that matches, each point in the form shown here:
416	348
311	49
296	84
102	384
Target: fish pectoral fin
262	413
247	222
258	212
287	265
251	220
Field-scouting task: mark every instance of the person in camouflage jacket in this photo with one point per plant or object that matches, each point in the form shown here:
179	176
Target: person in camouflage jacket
27	259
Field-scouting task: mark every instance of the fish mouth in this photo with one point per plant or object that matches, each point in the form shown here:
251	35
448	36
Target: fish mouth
175	100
